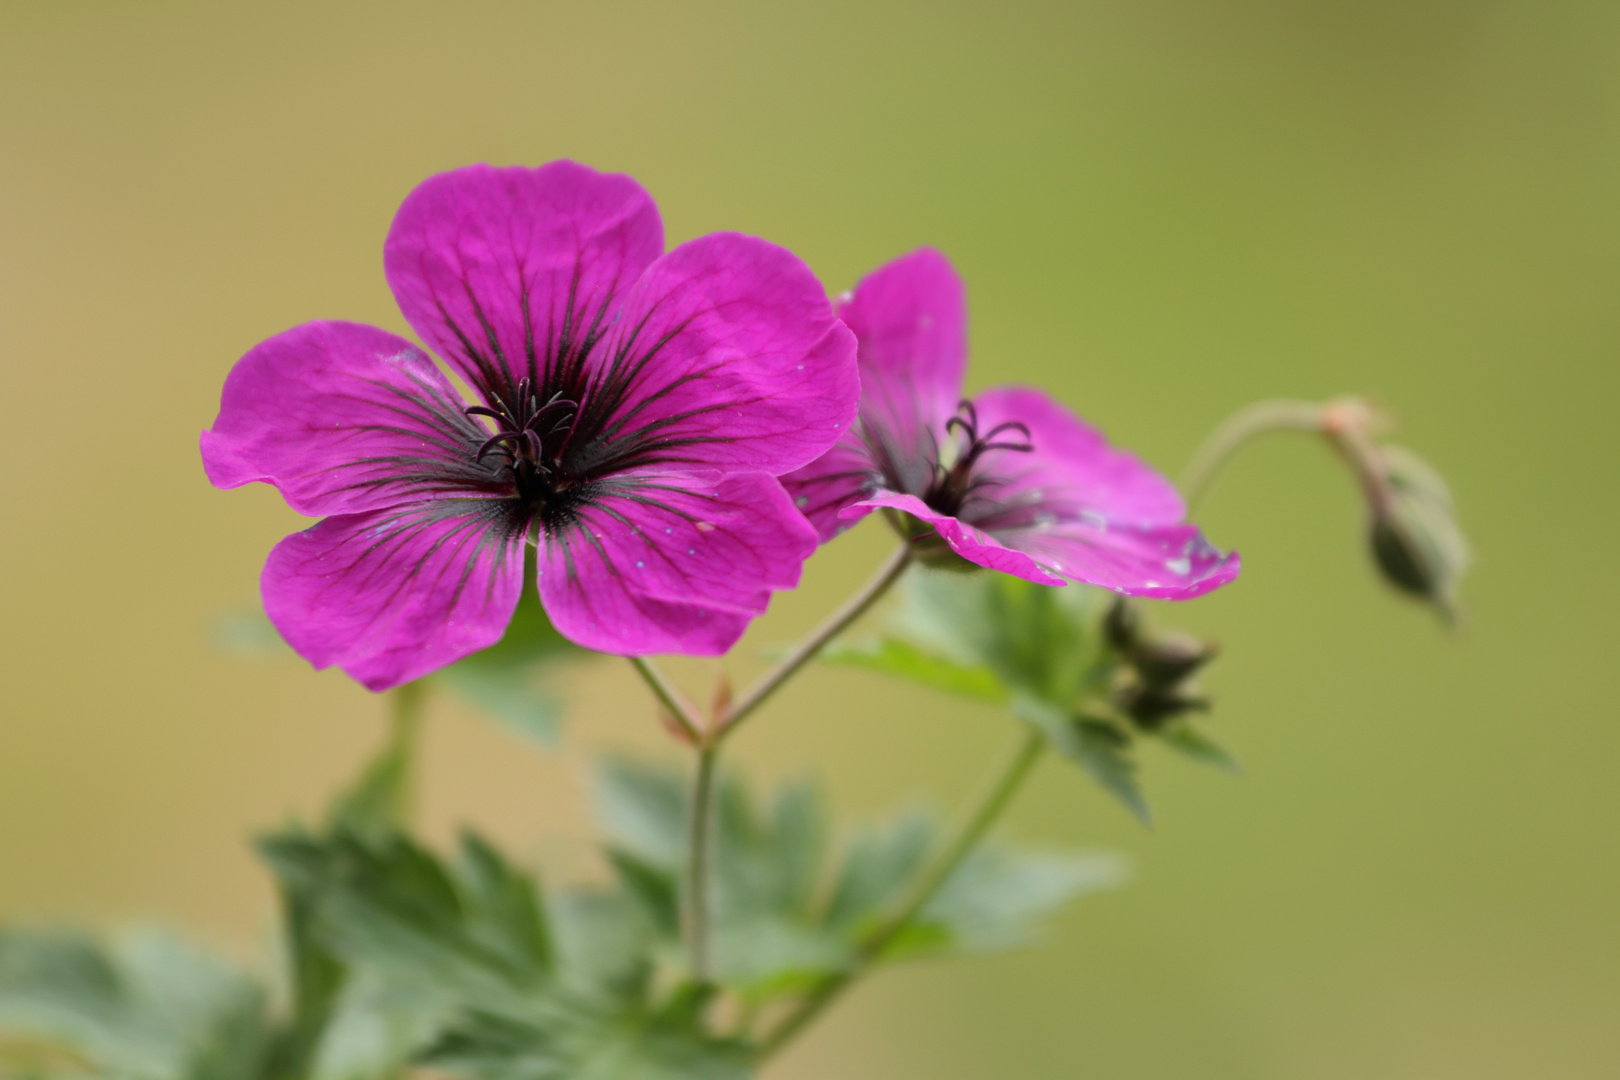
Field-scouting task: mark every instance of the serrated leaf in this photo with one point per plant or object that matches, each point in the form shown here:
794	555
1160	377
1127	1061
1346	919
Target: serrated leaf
991	637
642	808
1097	746
150	1007
997	897
503	905
879	863
907	660
1188	740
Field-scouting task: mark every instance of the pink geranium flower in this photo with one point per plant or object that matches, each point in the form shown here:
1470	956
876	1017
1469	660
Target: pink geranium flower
634	409
1011	480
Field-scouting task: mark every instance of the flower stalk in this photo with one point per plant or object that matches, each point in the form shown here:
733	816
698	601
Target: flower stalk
817	640
990	808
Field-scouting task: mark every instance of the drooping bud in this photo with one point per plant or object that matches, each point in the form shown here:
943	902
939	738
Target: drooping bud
1168	660
1411	526
1413	534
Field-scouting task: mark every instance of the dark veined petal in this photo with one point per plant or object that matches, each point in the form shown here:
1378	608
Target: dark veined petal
393	594
1165	562
726	354
506	271
1072	469
672	563
343	418
825	489
910	317
974	545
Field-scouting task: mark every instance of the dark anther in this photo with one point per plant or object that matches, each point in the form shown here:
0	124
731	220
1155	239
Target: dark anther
951	487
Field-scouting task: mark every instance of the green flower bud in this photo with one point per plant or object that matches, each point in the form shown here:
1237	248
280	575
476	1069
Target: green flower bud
1152	707
1413	534
1165	662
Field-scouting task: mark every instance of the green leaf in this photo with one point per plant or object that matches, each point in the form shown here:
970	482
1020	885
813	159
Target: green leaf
880	862
1097	746
503	905
642	808
997	897
991	637
511	680
1188	740
150	1006
906	660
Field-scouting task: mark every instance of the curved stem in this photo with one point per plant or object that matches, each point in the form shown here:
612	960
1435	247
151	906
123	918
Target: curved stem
926	886
817	640
1232	433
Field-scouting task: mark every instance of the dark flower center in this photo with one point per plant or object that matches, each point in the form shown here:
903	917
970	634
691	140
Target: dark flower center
950	489
532	436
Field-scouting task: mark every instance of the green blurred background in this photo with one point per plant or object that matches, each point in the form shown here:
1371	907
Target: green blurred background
1163	209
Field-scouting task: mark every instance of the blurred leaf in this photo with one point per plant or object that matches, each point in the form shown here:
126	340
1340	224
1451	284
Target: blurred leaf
876	867
1188	740
991	637
1097	746
493	1047
905	660
642	808
509	680
997	897
150	1006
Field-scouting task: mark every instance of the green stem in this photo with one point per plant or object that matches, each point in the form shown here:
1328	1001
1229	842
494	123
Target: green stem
406	712
699	865
1236	430
679	709
927	885
807	649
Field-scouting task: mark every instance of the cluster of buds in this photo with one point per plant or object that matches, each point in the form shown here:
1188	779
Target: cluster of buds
1155	685
1411	525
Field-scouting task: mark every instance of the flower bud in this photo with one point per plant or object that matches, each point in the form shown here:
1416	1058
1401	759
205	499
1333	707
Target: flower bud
1414	537
1164	662
1151	707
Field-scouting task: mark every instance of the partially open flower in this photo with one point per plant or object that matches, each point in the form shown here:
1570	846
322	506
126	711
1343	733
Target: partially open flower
633	410
1009	480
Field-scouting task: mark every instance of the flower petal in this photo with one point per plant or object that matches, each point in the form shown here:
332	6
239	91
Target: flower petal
508	273
726	354
1168	562
826	487
974	545
344	418
1165	562
910	317
672	562
391	595
1072	471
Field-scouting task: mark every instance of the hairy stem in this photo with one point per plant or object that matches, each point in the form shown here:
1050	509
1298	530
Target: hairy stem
923	889
817	640
1236	430
699	883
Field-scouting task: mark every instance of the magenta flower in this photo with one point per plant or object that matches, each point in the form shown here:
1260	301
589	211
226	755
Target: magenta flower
634	409
1010	480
